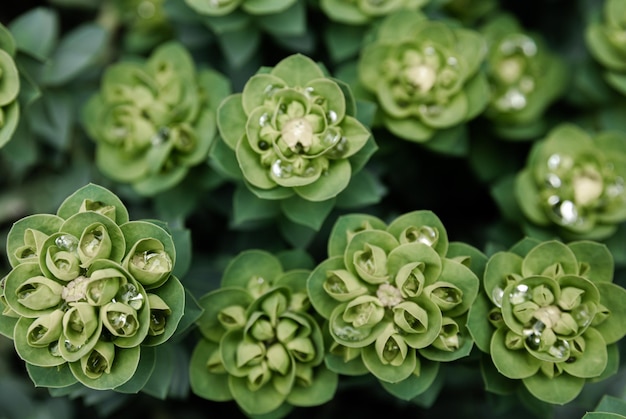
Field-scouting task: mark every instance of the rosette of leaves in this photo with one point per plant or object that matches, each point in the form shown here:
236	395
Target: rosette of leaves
425	76
261	344
524	75
549	316
90	293
362	12
145	23
573	183
295	137
396	299
9	87
606	42
239	26
153	120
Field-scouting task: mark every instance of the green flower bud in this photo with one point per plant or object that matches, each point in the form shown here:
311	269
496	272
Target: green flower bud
410	317
250	353
39	293
99	360
371	264
149	263
570	298
62	264
391	348
445	295
103	285
232	317
33	242
450	338
45	329
79	323
278	358
410	279
343	285
120	319
94	243
99	207
159	313
364	311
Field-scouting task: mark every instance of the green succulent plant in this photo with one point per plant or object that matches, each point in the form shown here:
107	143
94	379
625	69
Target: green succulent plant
146	23
425	75
524	75
606	40
154	120
89	291
574	182
395	298
9	87
550	316
261	344
361	12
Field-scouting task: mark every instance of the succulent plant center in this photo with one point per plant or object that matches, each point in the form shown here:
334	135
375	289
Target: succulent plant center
298	134
588	186
75	290
423	77
511	69
389	295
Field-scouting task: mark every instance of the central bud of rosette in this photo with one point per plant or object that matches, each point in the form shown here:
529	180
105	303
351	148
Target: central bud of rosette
298	134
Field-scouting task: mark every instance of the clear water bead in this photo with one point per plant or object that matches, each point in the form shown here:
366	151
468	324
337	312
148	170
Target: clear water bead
281	169
66	242
129	294
520	294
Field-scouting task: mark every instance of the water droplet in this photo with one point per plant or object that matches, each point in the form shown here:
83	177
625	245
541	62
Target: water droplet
158	319
332	116
426	235
270	89
391	350
331	138
53	348
496	294
520	294
66	242
429	50
96	363
567	212
554	161
308	92
263	119
533	341
339	149
92	242
616	188
560	350
260	280
529	47
452	61
553	181
349	333
129	294
263	145
281	170
513	99
581	315
160	136
37	333
70	347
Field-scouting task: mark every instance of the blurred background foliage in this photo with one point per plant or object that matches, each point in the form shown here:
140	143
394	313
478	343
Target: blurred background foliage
67	44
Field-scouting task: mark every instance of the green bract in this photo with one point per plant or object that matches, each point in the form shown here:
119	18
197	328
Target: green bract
9	87
550	316
575	182
425	75
606	42
360	12
152	121
261	344
524	76
87	290
396	298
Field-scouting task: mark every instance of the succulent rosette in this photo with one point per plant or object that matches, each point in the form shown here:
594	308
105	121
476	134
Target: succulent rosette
145	21
253	7
425	75
606	41
395	298
293	131
154	120
524	75
9	87
89	292
261	344
574	182
550	316
362	12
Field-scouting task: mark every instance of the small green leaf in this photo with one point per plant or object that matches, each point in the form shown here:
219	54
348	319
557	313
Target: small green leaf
40	43
310	214
417	383
78	50
560	389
